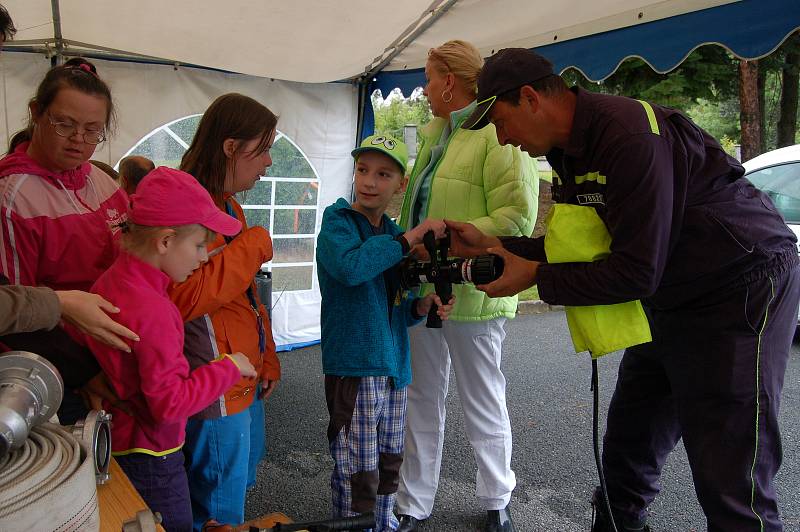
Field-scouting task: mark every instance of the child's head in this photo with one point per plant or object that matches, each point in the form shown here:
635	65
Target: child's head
172	219
380	171
231	147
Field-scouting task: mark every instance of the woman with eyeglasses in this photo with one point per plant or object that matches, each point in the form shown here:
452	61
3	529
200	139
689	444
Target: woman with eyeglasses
59	215
465	176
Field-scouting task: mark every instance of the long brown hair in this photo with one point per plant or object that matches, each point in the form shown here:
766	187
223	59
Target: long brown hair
231	116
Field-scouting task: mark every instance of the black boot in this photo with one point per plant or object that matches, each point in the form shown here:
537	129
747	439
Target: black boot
408	523
499	520
601	522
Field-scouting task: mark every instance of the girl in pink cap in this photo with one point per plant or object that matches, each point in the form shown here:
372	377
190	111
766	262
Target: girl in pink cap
172	218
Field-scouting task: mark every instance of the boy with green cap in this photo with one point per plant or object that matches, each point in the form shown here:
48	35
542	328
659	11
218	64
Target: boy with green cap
365	316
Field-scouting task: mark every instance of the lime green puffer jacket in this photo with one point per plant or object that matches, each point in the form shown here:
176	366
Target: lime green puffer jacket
493	187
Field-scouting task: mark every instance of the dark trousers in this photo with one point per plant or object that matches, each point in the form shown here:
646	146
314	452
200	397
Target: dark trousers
72	408
161	481
712	375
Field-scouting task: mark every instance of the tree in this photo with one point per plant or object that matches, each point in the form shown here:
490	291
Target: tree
756	107
707	73
787	124
393	113
750	110
706	86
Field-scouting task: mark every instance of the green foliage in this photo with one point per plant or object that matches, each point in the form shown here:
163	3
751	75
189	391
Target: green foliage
287	161
393	113
162	149
705	87
719	118
729	145
772	102
707	73
531	294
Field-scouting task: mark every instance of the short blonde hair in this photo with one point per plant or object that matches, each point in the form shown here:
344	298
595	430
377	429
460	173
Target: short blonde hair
461	58
136	238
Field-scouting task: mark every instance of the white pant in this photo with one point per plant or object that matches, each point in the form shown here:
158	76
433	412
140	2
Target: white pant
475	350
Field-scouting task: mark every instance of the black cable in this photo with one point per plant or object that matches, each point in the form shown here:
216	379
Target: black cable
596	442
357	522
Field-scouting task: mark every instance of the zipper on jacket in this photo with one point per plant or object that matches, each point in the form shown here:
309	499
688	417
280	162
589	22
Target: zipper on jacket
251	295
433	175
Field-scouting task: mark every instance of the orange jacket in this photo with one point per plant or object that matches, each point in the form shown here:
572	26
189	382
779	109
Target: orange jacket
219	318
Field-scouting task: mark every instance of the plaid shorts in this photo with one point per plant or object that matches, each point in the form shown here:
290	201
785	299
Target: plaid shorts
367	445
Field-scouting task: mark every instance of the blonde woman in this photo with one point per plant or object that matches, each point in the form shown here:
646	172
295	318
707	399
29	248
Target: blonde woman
464	176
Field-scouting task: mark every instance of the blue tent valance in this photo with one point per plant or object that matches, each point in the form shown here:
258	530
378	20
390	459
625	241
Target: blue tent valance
750	29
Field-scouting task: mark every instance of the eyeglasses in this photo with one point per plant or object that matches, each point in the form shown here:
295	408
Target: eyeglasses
66	130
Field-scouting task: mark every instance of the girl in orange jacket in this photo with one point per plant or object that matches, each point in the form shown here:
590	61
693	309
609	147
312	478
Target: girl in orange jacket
219	303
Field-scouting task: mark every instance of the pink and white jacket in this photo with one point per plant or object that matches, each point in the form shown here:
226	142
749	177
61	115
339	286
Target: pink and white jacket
57	229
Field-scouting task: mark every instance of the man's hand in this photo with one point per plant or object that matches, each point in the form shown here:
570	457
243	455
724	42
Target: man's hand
267	387
99	389
414	236
88	312
467	241
518	275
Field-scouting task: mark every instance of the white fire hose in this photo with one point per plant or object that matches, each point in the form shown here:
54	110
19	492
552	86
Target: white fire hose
48	473
49	484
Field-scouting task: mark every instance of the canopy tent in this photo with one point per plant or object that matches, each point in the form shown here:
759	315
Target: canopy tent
169	60
320	119
663	34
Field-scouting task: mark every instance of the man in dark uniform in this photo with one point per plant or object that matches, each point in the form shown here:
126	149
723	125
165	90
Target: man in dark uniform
708	255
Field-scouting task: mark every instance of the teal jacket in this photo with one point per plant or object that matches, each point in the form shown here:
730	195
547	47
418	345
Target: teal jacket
493	187
365	314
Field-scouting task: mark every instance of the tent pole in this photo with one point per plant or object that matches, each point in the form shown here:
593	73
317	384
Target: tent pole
58	57
363	83
365	80
363	98
436	14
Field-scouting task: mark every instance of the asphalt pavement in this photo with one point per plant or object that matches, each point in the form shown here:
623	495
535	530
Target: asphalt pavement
550	405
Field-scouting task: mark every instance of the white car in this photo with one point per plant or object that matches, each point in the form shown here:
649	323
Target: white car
778	174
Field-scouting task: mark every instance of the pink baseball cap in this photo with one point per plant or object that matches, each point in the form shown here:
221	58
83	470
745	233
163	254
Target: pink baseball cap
168	197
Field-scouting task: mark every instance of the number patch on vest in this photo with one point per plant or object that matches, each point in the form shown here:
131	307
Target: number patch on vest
591	199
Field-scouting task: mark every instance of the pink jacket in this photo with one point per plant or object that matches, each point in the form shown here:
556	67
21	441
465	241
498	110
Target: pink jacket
155	378
57	230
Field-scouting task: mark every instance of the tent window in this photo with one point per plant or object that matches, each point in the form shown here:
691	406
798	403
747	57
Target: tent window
290	278
294	221
285	201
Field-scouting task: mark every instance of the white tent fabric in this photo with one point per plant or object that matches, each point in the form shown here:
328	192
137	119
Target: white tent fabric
319	40
308	40
308	43
319	118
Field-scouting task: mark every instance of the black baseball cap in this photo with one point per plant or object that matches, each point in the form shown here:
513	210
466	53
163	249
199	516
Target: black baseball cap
508	69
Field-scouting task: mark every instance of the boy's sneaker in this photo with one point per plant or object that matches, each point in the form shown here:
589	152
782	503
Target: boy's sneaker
601	522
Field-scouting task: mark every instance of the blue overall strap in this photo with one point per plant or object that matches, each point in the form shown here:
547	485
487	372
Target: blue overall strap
251	296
